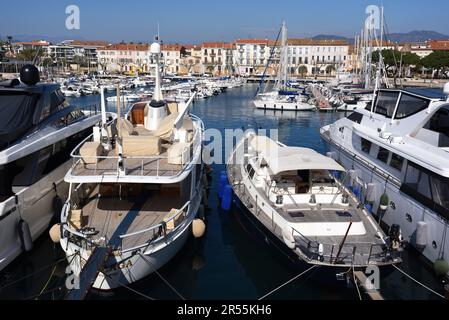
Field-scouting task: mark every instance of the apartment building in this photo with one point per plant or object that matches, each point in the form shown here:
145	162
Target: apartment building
217	58
317	55
123	57
251	56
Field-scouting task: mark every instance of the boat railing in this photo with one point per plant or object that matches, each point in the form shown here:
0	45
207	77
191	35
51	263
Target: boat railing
131	165
338	254
155	233
159	231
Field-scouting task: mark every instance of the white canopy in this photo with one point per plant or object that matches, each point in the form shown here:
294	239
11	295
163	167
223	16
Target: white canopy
281	159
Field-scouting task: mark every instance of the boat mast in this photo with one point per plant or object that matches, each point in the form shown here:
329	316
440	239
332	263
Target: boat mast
283	63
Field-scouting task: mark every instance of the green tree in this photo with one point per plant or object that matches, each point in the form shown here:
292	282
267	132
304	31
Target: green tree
391	58
437	61
29	54
302	70
329	69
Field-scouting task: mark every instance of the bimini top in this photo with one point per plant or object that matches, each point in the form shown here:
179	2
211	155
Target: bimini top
282	158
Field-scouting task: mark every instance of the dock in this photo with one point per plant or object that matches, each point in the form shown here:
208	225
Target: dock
373	294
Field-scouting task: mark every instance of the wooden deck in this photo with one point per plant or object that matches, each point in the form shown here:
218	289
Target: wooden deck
111	217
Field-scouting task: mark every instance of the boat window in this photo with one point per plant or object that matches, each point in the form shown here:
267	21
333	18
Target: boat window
250	170
366	145
386	102
56	101
6	176
428	188
31	167
440	122
409	105
321	177
396	161
383	154
440	190
356	117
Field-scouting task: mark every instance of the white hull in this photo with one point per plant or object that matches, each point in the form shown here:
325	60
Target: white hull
403	205
36	208
352	107
283	106
130	267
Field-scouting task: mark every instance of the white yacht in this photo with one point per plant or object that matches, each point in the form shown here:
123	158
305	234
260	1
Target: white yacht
398	149
292	194
282	97
135	191
38	130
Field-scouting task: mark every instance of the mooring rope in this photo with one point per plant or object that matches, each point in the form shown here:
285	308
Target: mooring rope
283	285
356	284
34	273
135	291
421	284
163	279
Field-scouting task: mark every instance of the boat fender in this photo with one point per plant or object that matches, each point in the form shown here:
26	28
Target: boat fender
384	200
287	235
223	182
421	235
371	192
55	233
320	249
25	235
226	201
441	267
198	228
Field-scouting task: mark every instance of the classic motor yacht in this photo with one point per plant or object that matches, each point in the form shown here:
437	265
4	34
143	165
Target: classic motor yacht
134	191
292	193
398	149
38	130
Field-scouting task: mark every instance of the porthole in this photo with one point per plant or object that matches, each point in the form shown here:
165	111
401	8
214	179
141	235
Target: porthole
434	244
408	217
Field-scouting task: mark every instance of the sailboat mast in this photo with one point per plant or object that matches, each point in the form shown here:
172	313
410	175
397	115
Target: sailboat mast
283	61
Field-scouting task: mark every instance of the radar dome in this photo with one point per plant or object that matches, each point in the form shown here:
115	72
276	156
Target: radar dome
29	75
155	48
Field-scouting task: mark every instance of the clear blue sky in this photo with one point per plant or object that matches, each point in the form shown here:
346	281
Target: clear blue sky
203	20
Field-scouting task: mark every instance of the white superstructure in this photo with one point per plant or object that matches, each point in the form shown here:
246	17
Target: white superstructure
398	148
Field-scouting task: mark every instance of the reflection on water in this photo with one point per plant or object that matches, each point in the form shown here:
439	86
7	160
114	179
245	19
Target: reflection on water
231	261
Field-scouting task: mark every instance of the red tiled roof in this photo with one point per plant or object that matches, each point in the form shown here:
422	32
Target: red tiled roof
171	47
191	46
126	47
313	42
438	44
34	43
213	44
252	41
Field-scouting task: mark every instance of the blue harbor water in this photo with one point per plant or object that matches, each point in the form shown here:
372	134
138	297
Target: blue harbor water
231	261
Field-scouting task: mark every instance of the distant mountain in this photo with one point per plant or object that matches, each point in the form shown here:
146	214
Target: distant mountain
329	37
416	36
413	36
